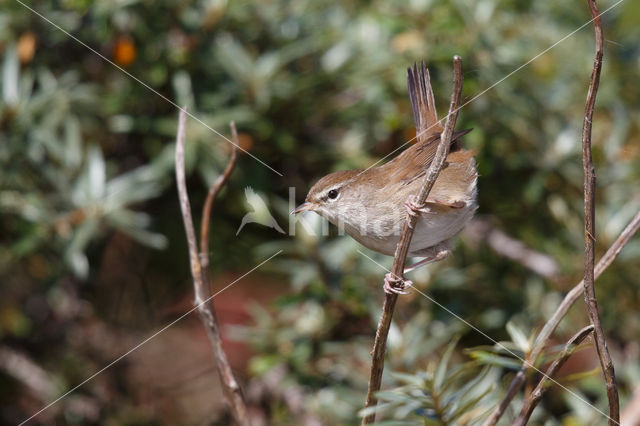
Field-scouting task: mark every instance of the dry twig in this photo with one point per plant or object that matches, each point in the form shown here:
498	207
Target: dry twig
574	294
24	370
534	397
587	285
211	197
572	297
42	385
481	229
199	262
513	389
589	225
380	343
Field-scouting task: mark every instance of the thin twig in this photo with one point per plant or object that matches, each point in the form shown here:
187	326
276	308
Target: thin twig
201	284
589	225
380	343
518	381
183	196
574	294
24	370
571	297
42	385
534	397
481	229
211	196
587	285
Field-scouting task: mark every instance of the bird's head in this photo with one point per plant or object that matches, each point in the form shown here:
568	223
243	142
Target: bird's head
333	195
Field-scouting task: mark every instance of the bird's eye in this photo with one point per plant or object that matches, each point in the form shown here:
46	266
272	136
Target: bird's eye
333	194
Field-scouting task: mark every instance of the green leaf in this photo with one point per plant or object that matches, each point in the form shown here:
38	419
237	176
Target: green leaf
493	359
73	145
90	186
10	76
468	404
411	379
441	370
74	254
233	57
519	337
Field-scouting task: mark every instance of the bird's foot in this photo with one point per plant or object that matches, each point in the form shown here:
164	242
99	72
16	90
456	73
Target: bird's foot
414	209
391	282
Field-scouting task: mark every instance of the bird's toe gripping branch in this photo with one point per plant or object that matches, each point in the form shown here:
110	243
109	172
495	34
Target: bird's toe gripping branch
414	209
396	285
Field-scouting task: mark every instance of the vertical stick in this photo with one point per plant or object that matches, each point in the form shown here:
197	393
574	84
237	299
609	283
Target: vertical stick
380	343
589	224
199	262
552	323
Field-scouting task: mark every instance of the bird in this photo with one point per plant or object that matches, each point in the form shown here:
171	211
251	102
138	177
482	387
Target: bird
259	214
371	204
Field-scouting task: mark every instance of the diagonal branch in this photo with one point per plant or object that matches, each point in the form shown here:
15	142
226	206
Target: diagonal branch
482	229
199	262
534	398
574	294
515	385
571	297
589	225
380	343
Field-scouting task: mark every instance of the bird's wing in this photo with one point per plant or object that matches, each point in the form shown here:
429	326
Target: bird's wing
415	160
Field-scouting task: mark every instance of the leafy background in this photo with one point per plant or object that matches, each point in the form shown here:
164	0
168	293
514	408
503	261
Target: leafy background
93	257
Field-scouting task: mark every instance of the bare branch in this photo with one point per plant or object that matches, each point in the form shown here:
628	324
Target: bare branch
534	398
574	294
572	297
183	196
589	225
511	248
26	371
515	385
380	343
42	385
211	196
587	285
200	274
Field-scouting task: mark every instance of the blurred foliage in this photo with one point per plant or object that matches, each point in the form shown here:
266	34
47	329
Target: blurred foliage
433	395
87	162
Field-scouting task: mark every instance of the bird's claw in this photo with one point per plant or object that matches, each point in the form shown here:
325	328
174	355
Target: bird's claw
390	282
414	209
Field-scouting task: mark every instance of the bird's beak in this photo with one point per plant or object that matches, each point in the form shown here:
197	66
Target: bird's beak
301	208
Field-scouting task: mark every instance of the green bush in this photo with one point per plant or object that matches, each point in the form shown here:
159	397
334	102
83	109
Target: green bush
86	150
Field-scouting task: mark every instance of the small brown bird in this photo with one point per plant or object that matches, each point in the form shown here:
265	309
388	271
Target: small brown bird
371	205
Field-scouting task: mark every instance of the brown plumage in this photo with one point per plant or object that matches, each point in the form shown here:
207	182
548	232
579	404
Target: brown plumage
370	204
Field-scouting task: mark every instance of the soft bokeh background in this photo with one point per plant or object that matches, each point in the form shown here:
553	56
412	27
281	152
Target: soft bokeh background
93	256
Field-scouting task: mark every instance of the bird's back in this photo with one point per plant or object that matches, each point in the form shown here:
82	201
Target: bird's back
453	196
